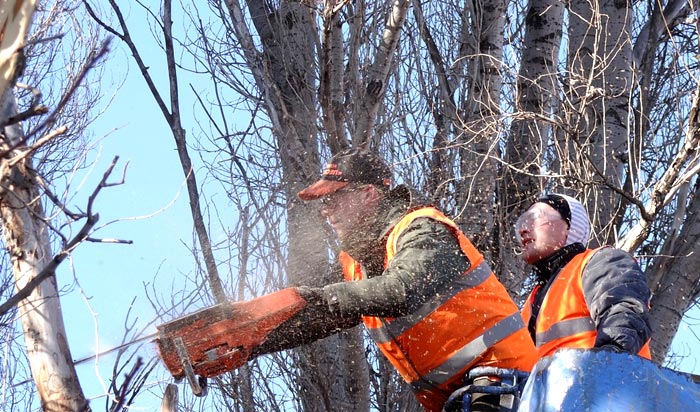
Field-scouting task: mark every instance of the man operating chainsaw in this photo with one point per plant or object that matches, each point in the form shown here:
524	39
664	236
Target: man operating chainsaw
425	294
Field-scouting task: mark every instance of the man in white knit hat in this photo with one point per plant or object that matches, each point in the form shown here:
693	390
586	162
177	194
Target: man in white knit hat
583	298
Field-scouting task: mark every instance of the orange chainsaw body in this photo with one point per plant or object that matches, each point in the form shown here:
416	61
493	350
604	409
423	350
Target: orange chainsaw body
219	339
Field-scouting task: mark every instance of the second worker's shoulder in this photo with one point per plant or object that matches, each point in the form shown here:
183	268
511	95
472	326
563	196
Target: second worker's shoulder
610	254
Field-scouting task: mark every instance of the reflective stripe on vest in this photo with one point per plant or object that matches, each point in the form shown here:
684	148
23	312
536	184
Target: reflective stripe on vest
448	334
564	320
467	354
565	328
402	324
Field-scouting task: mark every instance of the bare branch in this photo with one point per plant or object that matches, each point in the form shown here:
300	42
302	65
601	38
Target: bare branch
50	269
37	145
670	181
93	58
125	386
375	86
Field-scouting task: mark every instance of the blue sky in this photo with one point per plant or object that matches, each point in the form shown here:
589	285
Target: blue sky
150	208
109	276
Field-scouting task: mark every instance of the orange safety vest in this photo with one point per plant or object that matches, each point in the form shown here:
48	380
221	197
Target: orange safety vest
564	320
475	323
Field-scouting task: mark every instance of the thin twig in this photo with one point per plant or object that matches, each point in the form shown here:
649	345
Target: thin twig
124	388
50	269
33	148
92	60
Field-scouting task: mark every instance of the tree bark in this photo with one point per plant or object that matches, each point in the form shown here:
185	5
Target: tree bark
600	70
26	236
530	132
15	20
375	82
170	399
479	136
674	292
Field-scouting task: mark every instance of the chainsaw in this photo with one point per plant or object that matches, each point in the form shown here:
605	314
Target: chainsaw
221	338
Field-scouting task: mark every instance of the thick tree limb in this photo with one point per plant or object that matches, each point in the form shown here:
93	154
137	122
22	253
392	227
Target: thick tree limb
375	84
671	181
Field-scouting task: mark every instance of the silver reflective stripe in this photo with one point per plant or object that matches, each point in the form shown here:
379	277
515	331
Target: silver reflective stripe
501	330
399	325
565	328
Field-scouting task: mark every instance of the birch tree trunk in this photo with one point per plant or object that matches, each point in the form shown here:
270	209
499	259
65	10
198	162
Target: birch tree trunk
600	80
531	130
480	129
674	292
673	275
375	82
26	236
15	20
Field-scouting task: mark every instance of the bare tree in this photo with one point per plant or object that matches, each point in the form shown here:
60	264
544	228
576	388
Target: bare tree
615	97
531	128
26	236
473	104
45	109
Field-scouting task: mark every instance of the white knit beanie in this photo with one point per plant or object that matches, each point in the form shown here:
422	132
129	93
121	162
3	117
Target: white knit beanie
573	212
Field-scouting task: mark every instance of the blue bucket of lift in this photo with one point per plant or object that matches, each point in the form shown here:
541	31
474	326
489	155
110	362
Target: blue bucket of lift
574	380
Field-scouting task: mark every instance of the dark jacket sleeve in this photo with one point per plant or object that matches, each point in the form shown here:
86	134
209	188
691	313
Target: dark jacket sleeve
315	321
427	260
617	296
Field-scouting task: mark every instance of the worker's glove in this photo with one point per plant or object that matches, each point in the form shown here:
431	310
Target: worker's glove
312	296
330	297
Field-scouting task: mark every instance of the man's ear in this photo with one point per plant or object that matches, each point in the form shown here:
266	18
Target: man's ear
372	194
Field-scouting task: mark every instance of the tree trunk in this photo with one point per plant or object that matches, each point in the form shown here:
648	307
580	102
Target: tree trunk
600	59
537	88
674	292
15	20
480	130
27	239
375	85
170	399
